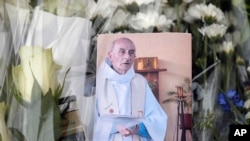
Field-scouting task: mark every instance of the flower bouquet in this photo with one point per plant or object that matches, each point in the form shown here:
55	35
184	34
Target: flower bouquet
47	74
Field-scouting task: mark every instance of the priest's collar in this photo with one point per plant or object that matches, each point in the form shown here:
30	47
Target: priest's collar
108	72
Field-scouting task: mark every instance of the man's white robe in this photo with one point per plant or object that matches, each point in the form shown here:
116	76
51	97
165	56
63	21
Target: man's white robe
126	95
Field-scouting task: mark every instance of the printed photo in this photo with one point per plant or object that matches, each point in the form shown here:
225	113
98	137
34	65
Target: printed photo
143	87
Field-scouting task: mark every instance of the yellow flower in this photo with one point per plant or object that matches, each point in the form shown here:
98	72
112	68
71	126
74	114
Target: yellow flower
3	130
37	63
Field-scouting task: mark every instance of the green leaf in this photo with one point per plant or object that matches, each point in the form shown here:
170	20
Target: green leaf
59	89
36	92
34	112
1	62
17	134
49	128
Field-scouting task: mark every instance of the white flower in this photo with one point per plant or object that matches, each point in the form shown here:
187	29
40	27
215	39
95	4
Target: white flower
138	2
37	62
248	69
3	130
247	116
227	47
142	21
214	12
119	19
187	1
204	12
195	12
106	8
247	104
170	11
214	30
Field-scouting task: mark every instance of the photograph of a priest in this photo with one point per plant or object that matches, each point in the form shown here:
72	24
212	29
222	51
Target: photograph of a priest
124	97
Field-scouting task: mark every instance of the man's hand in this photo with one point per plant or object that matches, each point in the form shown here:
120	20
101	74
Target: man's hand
125	131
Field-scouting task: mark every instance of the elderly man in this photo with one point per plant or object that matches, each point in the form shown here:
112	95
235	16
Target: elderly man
126	109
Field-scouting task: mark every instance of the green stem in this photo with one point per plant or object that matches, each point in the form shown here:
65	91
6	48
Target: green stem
205	59
228	68
236	112
178	17
216	134
214	53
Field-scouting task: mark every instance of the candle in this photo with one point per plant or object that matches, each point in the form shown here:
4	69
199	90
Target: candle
139	64
180	91
155	63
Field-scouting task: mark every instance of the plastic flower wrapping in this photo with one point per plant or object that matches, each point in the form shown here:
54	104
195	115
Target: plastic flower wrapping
48	62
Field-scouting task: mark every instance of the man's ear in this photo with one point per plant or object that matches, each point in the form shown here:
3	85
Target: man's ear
109	55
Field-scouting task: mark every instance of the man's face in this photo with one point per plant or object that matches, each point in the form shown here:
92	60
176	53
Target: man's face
122	56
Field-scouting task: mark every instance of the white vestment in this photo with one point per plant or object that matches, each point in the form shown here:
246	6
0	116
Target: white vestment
128	96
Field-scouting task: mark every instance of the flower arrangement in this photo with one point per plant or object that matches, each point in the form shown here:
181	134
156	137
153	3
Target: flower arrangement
220	48
37	90
39	72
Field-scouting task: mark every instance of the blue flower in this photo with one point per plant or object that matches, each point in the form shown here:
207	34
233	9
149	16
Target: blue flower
223	102
232	96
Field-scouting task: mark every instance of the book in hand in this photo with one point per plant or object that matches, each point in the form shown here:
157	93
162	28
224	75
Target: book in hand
121	121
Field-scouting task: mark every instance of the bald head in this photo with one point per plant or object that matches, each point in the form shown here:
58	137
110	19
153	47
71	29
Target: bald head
122	55
122	41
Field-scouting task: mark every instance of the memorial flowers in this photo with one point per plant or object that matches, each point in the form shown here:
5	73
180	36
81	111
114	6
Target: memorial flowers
220	53
37	66
36	88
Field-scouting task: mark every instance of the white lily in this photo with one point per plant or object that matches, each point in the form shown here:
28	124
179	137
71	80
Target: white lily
3	130
38	62
248	69
214	30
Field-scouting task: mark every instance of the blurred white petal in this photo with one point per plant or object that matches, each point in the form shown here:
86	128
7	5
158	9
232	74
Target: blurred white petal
37	63
227	47
247	104
143	21
3	129
106	8
119	19
200	11
213	30
138	2
247	116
